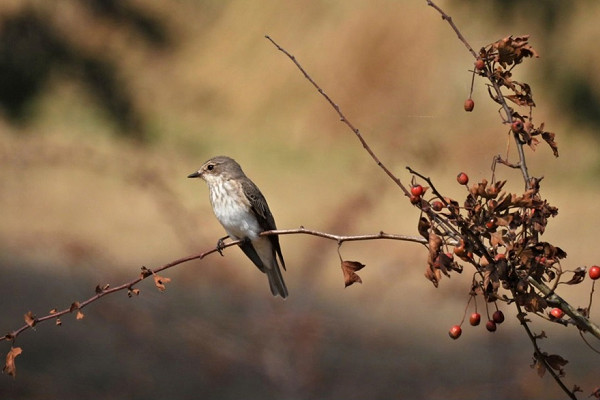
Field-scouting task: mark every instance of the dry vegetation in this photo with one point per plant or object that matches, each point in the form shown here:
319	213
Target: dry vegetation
90	195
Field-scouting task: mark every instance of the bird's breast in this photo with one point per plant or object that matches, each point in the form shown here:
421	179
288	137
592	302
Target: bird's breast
232	209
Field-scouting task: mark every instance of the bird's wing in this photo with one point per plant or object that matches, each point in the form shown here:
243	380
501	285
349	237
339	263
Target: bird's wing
259	206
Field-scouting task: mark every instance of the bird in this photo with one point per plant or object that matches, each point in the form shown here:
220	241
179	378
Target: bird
243	211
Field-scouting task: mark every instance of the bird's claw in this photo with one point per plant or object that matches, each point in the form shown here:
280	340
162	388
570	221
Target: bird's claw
221	246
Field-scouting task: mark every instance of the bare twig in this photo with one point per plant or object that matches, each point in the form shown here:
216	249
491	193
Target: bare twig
150	272
540	357
448	18
499	98
342	117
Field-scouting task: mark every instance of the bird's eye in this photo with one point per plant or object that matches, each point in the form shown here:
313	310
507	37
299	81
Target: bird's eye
210	167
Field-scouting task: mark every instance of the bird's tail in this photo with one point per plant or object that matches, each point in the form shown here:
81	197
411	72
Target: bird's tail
276	280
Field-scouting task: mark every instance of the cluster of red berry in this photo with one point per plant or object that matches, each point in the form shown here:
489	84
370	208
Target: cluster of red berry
475	319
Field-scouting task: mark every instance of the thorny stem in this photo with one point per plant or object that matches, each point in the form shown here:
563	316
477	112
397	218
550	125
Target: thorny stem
12	336
342	117
499	96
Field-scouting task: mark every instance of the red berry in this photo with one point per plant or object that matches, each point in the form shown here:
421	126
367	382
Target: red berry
490	326
517	126
462	178
557	313
415	199
594	272
469	105
455	332
479	64
416	190
491	224
437	205
475	319
498	317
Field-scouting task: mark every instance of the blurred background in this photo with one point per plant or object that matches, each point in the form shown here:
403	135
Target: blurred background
106	106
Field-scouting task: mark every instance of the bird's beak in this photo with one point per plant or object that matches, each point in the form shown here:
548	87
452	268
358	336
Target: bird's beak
196	174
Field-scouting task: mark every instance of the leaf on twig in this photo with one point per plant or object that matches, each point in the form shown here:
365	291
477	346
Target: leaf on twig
100	289
556	362
349	269
549	138
145	272
160	281
9	366
513	50
539	366
30	319
491	280
74	306
423	227
578	276
532	302
433	272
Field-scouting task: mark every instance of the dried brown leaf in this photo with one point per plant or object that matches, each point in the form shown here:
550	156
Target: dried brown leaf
556	362
496	239
30	319
349	269
79	315
145	272
549	138
578	276
160	281
423	227
9	366
431	276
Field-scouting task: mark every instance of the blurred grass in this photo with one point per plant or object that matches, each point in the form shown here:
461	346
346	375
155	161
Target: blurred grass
85	204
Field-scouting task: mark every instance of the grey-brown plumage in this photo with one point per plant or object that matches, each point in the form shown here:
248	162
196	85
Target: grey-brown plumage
243	211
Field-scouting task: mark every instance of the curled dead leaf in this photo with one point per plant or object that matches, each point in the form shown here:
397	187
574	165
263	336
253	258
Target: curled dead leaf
74	306
160	281
145	272
30	319
578	276
349	269
9	366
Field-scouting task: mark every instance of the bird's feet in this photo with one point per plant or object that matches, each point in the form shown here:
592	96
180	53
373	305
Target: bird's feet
221	245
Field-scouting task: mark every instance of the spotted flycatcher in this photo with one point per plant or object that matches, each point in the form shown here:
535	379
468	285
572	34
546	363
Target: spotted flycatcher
243	211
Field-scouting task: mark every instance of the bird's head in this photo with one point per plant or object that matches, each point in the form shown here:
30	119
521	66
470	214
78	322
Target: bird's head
218	168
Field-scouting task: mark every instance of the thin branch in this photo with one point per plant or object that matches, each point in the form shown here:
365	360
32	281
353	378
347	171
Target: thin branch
151	272
499	98
539	355
342	116
580	320
448	18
